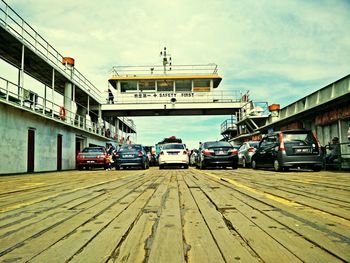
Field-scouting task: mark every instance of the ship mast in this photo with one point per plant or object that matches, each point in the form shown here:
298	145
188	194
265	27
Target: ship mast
166	60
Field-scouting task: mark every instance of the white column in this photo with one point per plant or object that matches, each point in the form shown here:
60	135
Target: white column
68	90
53	92
21	77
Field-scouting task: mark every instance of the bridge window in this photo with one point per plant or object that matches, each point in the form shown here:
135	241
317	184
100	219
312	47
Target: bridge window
126	86
183	85
165	85
201	85
147	85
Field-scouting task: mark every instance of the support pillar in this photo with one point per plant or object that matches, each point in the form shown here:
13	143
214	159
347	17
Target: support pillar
68	88
53	93
21	78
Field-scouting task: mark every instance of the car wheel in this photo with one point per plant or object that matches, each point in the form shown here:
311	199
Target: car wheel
277	166
186	166
235	166
201	165
117	167
317	168
161	166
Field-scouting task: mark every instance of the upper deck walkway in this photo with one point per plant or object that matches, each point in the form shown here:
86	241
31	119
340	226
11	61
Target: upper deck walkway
175	216
171	103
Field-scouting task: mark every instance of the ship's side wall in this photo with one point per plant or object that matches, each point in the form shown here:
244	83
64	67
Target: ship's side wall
14	126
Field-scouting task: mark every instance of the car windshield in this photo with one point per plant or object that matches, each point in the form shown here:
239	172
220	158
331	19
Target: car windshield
93	150
173	146
299	137
217	144
131	147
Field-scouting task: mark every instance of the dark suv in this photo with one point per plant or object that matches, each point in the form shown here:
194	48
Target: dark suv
285	149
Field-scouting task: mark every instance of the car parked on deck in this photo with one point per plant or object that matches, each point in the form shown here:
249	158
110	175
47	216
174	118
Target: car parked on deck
217	154
131	155
285	149
92	157
174	154
245	153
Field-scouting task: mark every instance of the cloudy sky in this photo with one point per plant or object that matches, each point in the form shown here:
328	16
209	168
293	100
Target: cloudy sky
279	50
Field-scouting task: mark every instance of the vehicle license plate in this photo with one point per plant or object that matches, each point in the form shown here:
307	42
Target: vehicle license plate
128	155
302	150
172	153
220	152
90	161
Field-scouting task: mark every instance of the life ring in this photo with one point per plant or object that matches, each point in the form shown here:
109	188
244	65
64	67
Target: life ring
62	113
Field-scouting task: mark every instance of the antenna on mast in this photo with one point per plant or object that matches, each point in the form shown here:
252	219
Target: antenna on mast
166	60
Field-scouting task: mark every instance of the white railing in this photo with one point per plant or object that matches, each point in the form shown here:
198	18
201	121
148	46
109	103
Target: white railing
30	101
160	70
253	109
14	24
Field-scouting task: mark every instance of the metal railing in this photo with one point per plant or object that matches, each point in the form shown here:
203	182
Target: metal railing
30	101
18	27
229	125
253	109
159	70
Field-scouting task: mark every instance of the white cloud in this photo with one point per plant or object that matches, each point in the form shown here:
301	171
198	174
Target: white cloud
279	50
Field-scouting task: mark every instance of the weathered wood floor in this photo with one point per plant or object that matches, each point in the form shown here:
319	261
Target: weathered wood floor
175	216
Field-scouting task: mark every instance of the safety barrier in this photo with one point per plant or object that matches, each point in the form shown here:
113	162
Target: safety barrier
30	101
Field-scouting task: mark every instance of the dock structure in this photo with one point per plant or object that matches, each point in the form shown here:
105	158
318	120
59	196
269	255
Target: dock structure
175	216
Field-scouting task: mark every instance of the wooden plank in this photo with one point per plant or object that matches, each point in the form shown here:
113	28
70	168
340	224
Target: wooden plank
302	248
21	213
268	249
327	231
102	246
199	241
133	249
167	244
316	203
37	243
232	247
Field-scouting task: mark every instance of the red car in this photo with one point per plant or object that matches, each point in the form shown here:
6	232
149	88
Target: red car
92	157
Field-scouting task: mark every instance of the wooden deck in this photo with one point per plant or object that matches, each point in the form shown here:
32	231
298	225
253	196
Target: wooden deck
175	216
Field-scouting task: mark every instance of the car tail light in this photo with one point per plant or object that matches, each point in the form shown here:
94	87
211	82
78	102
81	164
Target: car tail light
116	155
161	153
234	151
80	156
140	154
281	142
184	152
102	156
251	149
207	152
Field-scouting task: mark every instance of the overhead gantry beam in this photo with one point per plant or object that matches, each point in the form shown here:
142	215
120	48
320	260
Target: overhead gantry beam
169	109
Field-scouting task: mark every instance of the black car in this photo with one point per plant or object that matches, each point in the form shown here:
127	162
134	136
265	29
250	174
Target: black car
131	155
285	149
217	154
